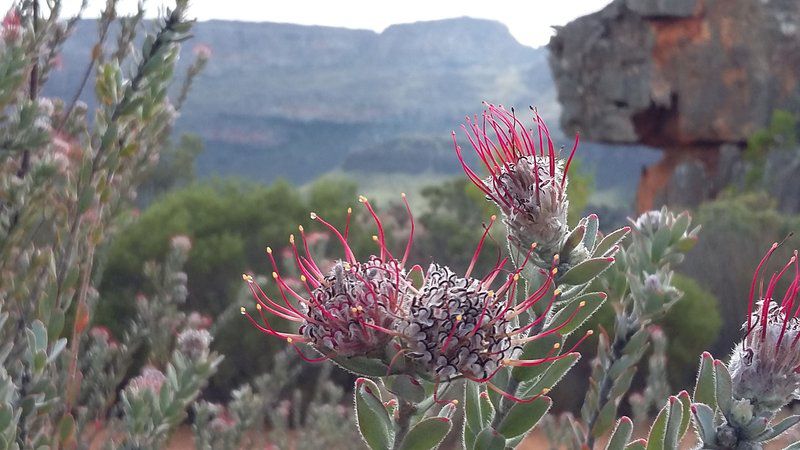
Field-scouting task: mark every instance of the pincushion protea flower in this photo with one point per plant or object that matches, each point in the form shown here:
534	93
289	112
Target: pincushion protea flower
458	326
350	310
527	183
765	368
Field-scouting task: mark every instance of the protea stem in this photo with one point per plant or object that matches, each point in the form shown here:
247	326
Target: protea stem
405	410
621	339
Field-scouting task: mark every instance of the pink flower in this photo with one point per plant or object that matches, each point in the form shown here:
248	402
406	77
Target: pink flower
765	368
349	310
11	25
527	182
460	326
202	51
150	380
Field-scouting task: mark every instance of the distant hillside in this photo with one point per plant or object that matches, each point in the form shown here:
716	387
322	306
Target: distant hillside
280	100
292	101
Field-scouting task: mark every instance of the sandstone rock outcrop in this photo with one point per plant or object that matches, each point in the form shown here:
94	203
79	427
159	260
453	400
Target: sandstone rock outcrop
685	76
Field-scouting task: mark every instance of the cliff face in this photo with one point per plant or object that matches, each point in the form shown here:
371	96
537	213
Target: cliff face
686	76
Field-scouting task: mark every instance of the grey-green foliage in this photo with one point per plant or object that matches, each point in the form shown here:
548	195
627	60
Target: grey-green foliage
657	386
65	176
724	421
641	290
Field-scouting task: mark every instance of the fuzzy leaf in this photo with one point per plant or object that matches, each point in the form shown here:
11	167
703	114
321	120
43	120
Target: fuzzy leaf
610	240
605	419
373	420
362	366
489	439
66	428
622	433
537	349
501	378
723	387
705	386
641	444
672	433
686	415
554	373
522	417
659	244
590	237
585	271
623	383
680	225
487	409
582	307
427	434
703	418
573	239
472	406
778	429
655	440
405	387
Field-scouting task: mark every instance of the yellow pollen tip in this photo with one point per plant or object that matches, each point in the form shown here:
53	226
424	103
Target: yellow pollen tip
554	271
582	304
258	306
490	293
375	238
556	346
590	332
454	402
362	199
300	227
303	278
545	391
269	250
289	340
516	277
242	310
275	275
534	245
353	310
557	292
247	278
291	239
360	308
349	210
313	216
494	217
458	318
403	194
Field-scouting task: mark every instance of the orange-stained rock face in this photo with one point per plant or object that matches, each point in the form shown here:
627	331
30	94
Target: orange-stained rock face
680	75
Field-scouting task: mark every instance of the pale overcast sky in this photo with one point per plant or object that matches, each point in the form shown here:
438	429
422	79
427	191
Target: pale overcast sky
530	21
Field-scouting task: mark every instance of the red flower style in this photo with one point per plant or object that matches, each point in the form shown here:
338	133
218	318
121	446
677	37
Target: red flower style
349	311
528	183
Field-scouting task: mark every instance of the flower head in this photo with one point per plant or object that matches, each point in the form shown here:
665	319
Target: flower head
765	368
150	380
459	326
347	311
194	343
527	182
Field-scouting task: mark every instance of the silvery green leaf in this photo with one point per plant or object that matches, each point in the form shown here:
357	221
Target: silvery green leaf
522	417
621	434
489	439
705	386
427	434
